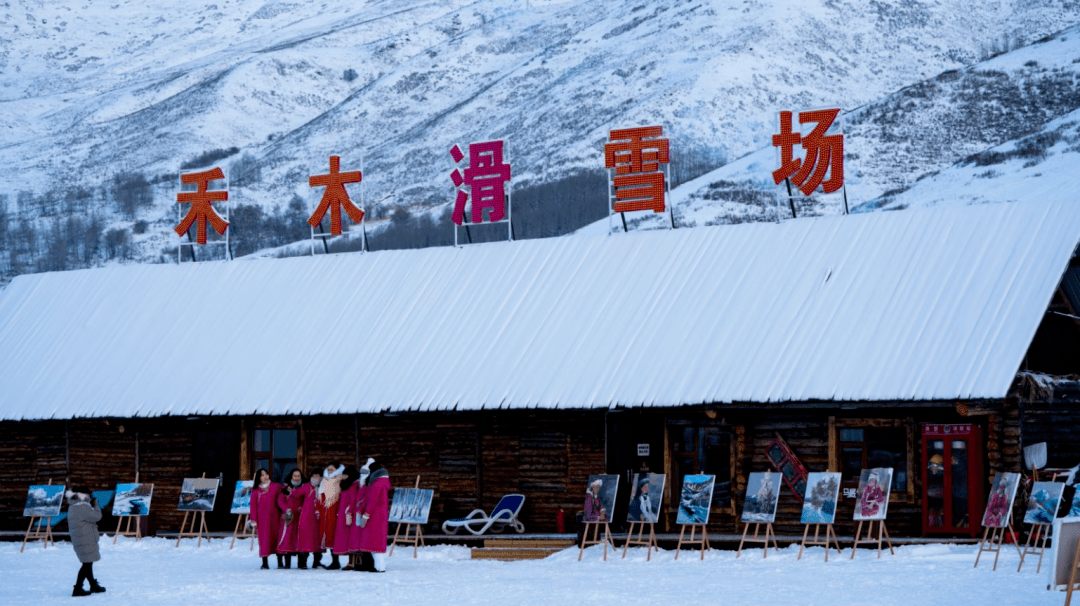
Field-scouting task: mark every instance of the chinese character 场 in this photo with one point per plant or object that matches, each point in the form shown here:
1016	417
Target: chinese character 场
636	155
201	210
335	197
823	153
486	176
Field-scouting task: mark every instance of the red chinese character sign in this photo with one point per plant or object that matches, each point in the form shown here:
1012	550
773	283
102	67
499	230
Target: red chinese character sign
201	212
821	161
636	154
487	177
335	198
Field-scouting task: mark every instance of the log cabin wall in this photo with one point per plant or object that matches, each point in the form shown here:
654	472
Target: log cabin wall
31	452
1050	412
471	459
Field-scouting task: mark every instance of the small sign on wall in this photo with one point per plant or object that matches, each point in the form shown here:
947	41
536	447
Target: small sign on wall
850	493
642	450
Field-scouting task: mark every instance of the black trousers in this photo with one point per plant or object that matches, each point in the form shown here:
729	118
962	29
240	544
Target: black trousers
86	573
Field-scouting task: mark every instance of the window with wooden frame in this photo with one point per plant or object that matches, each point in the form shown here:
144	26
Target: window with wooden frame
857	444
275	446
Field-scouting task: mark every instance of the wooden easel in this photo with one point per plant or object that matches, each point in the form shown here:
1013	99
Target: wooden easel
596	540
199	515
649	542
416	540
769	535
1072	574
128	532
703	541
243	532
870	540
1035	544
37	533
815	541
994	544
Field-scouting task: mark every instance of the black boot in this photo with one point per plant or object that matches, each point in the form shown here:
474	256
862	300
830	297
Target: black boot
288	560
301	561
280	561
316	560
95	588
266	564
79	591
334	563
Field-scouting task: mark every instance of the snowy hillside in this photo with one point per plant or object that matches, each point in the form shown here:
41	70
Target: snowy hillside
1004	129
102	100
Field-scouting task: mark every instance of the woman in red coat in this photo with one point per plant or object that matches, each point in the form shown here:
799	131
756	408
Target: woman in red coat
290	511
349	489
309	512
375	519
265	515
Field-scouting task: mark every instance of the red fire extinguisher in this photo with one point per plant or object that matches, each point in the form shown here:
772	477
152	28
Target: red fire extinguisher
560	522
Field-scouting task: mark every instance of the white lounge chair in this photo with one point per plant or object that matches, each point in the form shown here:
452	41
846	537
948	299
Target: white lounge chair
478	522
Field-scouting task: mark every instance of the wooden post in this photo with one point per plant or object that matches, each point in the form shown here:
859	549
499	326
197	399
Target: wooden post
882	534
1035	544
829	534
769	535
703	541
596	540
650	542
1072	574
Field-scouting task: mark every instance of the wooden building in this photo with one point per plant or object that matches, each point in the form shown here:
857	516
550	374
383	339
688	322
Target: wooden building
525	367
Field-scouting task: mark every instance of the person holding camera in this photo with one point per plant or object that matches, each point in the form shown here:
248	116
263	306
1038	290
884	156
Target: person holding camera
83	516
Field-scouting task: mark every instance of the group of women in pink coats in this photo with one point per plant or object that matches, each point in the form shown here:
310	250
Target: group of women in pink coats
340	508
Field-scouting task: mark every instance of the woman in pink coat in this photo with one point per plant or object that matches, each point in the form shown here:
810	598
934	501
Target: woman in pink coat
265	515
309	512
349	489
375	519
289	505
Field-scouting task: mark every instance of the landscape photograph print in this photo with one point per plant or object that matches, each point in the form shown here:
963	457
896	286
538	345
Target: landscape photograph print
44	500
819	502
198	494
133	499
762	494
695	499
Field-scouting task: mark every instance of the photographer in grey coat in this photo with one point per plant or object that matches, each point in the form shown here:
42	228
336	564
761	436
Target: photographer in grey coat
83	516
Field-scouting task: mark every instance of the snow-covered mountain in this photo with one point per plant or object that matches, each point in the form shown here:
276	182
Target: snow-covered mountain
91	90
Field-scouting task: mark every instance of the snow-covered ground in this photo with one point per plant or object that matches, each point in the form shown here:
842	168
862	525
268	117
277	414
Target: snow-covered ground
153	571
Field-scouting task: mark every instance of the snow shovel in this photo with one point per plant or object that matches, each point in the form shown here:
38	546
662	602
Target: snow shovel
1035	456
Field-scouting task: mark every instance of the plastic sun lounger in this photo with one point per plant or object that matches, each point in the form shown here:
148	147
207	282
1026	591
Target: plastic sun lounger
478	522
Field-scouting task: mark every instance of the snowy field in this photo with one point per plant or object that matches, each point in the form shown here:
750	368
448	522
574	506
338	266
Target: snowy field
154	572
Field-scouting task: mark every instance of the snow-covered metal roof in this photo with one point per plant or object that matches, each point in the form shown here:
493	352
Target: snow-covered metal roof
915	305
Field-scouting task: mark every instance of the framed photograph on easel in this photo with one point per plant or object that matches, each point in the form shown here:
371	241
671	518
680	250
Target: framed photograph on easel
646	495
132	501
